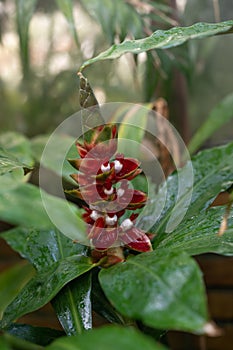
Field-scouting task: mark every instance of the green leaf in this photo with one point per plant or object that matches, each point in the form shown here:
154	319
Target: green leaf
45	285
198	235
18	145
213	173
11	180
220	115
66	7
8	162
164	291
42	248
163	39
73	305
38	335
12	281
105	338
62	148
24	206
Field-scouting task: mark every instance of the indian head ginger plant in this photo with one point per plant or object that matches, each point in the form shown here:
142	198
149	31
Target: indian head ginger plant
104	185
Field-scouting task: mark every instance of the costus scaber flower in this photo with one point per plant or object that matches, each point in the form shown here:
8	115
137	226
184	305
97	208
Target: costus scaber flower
104	184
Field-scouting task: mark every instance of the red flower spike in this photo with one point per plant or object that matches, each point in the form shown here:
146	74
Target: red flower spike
97	177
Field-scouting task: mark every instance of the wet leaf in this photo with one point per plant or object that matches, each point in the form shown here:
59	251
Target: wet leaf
73	305
163	39
198	235
42	248
44	286
164	291
105	338
213	173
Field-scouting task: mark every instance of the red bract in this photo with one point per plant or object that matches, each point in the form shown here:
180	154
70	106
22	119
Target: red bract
104	184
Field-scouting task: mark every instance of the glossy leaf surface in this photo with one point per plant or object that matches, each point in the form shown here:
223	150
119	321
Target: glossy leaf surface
164	291
105	338
198	235
163	39
213	173
43	248
44	286
73	305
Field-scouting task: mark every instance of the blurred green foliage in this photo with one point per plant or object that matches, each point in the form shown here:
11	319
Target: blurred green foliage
44	43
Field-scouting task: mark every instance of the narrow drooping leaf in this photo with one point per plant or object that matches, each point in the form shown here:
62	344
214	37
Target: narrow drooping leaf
219	116
163	39
213	172
66	7
24	13
42	248
8	163
46	211
73	305
105	338
44	286
164	291
38	335
117	19
12	281
198	235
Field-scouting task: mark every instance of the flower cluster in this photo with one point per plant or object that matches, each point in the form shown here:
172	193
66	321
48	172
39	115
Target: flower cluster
103	180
